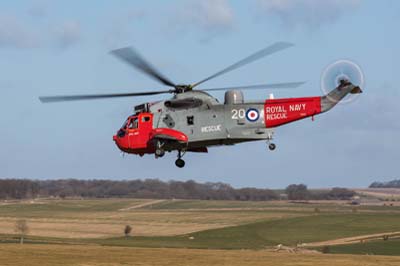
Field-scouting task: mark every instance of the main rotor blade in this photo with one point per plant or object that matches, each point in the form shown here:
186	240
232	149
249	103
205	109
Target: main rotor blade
129	56
278	46
64	98
287	85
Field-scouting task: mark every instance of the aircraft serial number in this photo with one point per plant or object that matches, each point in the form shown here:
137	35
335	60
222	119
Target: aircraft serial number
238	113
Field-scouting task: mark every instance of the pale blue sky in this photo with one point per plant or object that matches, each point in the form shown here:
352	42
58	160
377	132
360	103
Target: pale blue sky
61	47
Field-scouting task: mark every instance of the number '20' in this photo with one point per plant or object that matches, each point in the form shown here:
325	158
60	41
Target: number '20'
238	113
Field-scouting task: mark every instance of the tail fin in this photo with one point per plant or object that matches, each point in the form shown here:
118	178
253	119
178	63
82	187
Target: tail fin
332	98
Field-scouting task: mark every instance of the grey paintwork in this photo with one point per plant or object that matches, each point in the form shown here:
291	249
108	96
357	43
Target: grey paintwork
212	121
335	96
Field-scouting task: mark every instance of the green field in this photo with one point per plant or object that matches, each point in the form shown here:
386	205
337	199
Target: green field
389	247
63	208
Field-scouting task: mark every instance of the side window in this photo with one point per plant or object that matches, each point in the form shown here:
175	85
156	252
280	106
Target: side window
145	118
190	120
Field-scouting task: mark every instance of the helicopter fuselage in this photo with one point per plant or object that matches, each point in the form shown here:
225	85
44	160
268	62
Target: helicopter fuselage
193	121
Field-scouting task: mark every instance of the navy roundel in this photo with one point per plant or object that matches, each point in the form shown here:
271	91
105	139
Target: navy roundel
252	115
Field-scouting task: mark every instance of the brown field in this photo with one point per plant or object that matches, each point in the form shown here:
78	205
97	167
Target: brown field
382	193
60	255
96	229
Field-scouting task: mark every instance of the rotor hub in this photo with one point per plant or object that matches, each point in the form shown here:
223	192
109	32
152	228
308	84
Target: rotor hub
183	88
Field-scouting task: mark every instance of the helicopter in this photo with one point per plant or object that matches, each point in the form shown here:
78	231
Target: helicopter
193	120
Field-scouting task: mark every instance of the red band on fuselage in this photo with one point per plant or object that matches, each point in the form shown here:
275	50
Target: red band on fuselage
282	111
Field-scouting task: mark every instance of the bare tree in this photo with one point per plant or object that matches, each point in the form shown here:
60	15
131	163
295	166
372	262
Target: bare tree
127	230
22	228
326	249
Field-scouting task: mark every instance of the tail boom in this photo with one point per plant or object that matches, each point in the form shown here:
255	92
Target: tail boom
278	112
335	96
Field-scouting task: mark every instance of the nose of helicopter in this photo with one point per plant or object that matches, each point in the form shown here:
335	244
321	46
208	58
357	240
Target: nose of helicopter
116	140
120	140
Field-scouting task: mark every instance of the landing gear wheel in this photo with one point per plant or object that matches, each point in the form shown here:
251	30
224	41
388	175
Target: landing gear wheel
159	153
272	146
180	163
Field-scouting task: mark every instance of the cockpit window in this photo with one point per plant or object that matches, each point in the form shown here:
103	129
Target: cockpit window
133	123
125	124
145	119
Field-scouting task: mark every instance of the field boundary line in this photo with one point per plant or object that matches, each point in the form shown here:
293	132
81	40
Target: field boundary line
138	206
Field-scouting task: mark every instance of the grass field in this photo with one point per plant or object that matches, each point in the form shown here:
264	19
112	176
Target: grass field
193	228
389	247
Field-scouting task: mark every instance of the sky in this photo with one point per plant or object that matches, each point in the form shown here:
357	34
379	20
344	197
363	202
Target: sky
62	47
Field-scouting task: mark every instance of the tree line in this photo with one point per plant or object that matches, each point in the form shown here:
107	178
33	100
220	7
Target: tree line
148	188
390	184
301	192
156	189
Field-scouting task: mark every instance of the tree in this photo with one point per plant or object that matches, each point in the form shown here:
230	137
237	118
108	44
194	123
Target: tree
297	192
326	249
127	230
341	193
22	228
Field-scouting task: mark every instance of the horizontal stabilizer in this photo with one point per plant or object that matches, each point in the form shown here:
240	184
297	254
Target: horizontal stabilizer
356	90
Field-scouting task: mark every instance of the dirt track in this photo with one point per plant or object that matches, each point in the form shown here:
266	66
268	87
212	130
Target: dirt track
138	206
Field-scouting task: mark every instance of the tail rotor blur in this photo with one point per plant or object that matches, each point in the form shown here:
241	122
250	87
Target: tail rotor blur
339	71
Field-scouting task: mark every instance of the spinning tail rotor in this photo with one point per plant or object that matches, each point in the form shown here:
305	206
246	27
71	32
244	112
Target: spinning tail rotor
339	73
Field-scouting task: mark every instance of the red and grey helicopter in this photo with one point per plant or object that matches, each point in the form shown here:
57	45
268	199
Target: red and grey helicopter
193	120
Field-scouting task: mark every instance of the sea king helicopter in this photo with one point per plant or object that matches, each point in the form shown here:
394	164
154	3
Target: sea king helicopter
193	120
